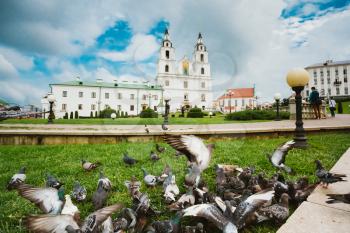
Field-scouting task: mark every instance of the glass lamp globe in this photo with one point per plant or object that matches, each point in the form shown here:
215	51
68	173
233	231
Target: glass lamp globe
277	96
113	115
51	98
298	77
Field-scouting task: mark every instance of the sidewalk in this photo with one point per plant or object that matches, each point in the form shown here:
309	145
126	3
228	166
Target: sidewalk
315	215
339	122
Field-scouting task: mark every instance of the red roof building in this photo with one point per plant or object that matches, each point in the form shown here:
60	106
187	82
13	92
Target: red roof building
237	99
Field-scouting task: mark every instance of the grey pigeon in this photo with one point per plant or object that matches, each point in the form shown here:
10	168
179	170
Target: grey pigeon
302	194
278	212
49	200
338	198
164	127
88	166
146	129
126	220
133	187
129	160
278	157
159	148
165	173
52	181
17	179
107	184
67	223
150	180
193	148
168	226
79	192
193	176
327	177
154	156
100	196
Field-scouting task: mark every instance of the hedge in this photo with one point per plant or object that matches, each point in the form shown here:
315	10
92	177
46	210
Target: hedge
255	115
195	113
106	113
148	113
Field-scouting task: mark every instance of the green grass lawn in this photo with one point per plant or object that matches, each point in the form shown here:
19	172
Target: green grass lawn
64	162
346	107
130	121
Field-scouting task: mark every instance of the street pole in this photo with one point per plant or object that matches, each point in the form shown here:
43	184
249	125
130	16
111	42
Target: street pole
299	138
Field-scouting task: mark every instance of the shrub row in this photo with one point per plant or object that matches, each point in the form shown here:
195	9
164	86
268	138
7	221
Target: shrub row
195	113
148	113
255	115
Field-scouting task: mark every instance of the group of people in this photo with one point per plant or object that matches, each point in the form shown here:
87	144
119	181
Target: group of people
316	103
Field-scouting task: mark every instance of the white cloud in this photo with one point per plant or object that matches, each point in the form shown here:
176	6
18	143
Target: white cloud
7	70
17	59
140	48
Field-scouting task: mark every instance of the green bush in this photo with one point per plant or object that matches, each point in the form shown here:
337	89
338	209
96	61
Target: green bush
255	115
195	113
91	114
126	115
65	115
122	115
96	114
106	113
71	115
76	115
148	113
340	107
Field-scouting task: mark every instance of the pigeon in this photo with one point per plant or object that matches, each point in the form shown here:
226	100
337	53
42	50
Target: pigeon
106	183
278	212
278	157
199	228
247	208
164	174
52	181
126	220
150	180
185	200
17	179
146	129
170	188
193	148
133	186
193	176
69	208
87	166
338	198
67	223
79	192
178	153
327	177
100	196
49	200
154	157
164	127
129	160
159	148
302	194
168	226
211	213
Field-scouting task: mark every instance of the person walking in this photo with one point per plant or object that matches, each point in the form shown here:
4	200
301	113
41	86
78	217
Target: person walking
315	102
332	105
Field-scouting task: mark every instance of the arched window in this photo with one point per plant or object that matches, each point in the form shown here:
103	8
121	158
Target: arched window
166	68
167	54
202	57
202	70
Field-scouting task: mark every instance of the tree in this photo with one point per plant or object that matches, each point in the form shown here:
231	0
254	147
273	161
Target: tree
91	114
65	115
126	115
106	113
118	114
340	107
76	115
148	113
71	115
122	115
195	113
96	114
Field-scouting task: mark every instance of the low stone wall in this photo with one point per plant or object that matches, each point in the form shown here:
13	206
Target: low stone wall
308	112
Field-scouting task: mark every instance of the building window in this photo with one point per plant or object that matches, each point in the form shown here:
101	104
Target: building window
322	91
315	74
64	93
81	94
132	107
64	107
167	54
185	84
243	102
345	71
203	84
322	80
93	107
202	57
144	97
185	96
203	97
346	91
202	70
345	79
328	73
155	108
236	103
132	96
336	72
93	94
155	97
119	107
106	95
315	81
166	68
203	107
80	106
337	90
321	73
166	82
119	96
106	106
329	91
328	80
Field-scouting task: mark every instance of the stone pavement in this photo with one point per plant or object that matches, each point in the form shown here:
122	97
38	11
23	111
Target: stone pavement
339	122
315	215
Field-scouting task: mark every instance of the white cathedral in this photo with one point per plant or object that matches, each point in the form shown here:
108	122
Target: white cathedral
185	82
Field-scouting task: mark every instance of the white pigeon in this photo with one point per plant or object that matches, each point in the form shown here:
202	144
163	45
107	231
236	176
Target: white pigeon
17	179
171	190
69	208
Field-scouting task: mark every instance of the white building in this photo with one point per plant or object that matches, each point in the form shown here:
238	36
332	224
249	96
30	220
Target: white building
329	78
187	82
238	99
87	97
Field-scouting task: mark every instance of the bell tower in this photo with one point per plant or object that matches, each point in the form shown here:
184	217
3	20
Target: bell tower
166	62
200	58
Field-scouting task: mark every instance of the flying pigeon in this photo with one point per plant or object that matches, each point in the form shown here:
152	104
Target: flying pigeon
150	180
67	223
52	181
49	200
327	177
69	208
79	192
193	148
278	212
146	129
159	148
154	156
338	198
17	179
99	198
129	160
106	183
87	166
278	157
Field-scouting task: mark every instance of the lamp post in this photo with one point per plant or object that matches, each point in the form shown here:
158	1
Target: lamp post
167	109
277	97
297	79
149	100
113	116
230	100
51	98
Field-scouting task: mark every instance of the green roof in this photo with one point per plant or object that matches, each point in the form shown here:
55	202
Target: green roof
3	102
111	85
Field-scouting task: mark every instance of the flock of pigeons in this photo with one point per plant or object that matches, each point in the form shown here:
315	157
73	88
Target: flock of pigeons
242	197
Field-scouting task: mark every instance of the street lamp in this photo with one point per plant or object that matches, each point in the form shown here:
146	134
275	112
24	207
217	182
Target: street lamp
51	98
277	97
297	79
230	95
167	109
149	100
113	116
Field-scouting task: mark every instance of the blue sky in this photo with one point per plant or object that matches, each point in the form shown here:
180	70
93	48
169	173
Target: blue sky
58	41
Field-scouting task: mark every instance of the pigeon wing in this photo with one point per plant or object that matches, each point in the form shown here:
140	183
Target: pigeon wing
178	144
50	223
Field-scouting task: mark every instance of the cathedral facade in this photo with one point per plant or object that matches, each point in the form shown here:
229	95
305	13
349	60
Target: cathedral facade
186	82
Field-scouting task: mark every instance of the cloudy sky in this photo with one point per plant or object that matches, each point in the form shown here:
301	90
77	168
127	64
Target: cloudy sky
250	42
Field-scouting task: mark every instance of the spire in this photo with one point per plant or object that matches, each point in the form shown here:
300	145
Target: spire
200	45
200	39
166	35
